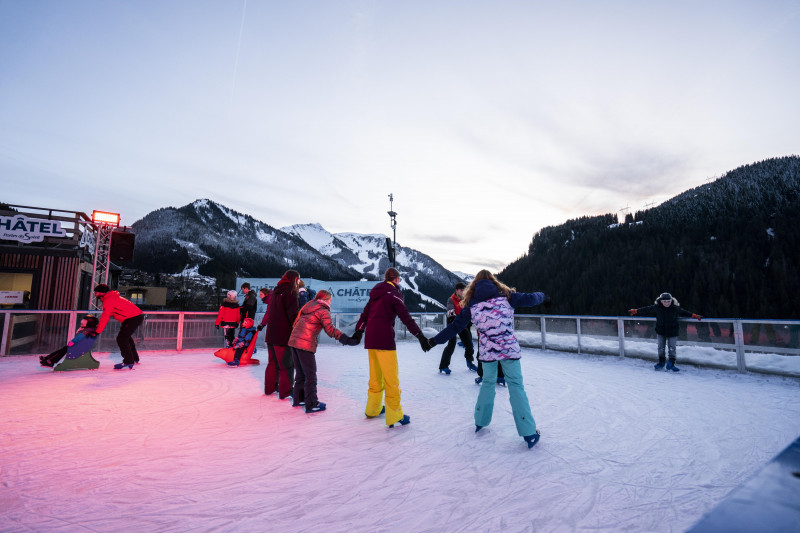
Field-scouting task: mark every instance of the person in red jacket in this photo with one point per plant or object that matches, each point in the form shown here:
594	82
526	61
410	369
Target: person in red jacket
283	309
128	314
385	303
228	317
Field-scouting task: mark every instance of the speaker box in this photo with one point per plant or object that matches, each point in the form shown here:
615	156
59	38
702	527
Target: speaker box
122	246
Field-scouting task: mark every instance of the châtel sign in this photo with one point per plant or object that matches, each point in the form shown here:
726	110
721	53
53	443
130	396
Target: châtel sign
24	229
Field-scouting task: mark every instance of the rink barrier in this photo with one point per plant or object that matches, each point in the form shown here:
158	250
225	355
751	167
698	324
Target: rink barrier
768	501
764	346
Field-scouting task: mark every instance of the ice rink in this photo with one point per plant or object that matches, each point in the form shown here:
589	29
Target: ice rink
184	443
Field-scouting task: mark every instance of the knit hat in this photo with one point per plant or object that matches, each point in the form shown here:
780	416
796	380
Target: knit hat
665	296
232	295
102	288
461	285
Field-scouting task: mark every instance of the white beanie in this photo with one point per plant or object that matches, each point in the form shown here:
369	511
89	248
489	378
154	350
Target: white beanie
232	295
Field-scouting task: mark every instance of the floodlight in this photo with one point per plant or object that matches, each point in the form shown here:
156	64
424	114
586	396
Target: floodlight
105	218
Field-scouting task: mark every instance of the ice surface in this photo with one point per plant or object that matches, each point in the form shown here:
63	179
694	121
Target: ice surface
184	443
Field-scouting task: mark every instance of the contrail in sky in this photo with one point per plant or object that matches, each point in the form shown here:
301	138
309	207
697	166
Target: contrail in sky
236	62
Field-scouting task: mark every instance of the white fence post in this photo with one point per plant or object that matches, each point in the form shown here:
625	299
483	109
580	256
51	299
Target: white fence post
578	331
180	332
4	339
544	333
738	336
621	333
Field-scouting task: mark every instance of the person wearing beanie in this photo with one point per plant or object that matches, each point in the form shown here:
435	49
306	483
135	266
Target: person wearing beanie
128	314
453	310
490	305
243	340
283	309
378	317
228	317
667	310
87	330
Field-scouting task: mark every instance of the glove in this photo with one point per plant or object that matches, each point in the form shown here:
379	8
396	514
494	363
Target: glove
451	313
357	336
698	317
632	311
423	342
547	302
347	341
431	343
216	326
260	327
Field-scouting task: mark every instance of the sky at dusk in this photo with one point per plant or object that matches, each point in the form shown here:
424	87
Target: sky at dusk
487	121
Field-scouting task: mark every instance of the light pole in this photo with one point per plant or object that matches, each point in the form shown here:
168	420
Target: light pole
390	246
104	224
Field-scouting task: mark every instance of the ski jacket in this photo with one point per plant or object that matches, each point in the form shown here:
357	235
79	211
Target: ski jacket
81	334
302	296
313	318
385	303
283	310
266	311
453	305
118	307
244	338
493	316
228	314
249	306
666	317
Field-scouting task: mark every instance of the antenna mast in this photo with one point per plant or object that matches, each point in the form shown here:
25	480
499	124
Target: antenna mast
390	246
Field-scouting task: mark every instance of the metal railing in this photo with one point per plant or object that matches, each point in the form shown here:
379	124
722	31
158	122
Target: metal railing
766	346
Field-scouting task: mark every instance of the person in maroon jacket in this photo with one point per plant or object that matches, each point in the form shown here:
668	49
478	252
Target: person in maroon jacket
385	303
283	309
128	314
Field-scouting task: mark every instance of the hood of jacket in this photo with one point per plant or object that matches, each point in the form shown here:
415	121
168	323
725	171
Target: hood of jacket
484	290
381	289
230	303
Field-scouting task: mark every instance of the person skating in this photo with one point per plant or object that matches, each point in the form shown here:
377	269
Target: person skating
228	317
453	310
313	317
384	305
490	304
283	309
128	314
667	310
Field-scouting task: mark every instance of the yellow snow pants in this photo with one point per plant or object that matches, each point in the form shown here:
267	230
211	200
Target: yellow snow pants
383	376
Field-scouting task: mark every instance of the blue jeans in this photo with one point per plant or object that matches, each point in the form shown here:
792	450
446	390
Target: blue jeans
520	407
663	342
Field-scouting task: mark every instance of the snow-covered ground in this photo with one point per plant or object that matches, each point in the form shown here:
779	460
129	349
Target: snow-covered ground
183	443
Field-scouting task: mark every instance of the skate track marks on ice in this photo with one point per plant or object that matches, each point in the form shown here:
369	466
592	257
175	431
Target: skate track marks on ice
183	443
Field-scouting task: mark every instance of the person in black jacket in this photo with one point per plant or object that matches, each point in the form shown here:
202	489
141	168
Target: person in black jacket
249	305
667	311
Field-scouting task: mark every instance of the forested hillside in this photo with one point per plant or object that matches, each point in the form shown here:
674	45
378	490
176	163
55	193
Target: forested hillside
729	248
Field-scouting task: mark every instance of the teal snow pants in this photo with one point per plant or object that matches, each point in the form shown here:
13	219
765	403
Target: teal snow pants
520	407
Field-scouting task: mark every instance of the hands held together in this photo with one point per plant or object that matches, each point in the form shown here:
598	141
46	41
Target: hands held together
425	343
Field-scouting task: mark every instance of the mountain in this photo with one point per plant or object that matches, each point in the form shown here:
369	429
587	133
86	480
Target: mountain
421	275
728	248
199	249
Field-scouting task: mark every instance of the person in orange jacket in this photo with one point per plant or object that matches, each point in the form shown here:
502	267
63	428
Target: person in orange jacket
228	317
128	314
